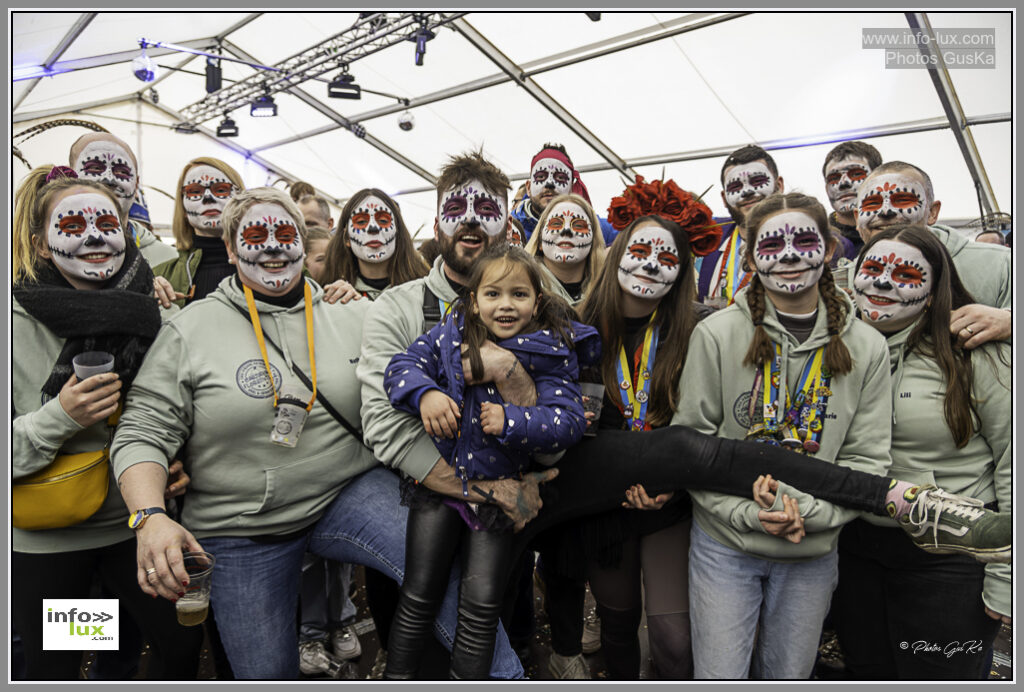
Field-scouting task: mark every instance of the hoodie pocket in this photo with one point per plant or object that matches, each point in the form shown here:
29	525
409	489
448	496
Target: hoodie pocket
304	484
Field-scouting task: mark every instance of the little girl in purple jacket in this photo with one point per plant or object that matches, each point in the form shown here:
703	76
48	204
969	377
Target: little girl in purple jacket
483	438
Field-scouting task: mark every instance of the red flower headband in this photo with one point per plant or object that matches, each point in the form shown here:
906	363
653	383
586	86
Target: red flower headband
668	200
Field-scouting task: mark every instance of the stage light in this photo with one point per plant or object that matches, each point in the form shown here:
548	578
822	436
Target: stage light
185	128
406	121
213	75
344	87
422	35
263	107
144	68
227	127
594	16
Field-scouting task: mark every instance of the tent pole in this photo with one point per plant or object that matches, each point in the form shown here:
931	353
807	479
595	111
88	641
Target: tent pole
954	112
911	127
590	51
509	67
73	33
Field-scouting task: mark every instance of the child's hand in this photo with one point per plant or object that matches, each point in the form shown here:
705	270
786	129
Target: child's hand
492	418
440	414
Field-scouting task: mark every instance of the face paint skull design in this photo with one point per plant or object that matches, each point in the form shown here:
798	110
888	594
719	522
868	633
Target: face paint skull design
567	235
789	252
85	237
843	179
109	163
650	264
204	194
372	230
747	184
471	205
514	236
891	198
549	178
269	247
892	283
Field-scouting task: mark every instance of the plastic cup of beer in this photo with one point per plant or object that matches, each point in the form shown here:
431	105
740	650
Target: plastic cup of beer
89	363
593	400
193	606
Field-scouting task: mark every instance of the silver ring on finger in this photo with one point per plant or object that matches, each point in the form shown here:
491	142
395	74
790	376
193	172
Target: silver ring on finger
969	330
151	570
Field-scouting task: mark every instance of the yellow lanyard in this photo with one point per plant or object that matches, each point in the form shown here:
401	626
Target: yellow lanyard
635	395
255	316
730	264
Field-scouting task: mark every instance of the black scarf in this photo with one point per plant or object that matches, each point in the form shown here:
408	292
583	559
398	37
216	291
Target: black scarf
121	319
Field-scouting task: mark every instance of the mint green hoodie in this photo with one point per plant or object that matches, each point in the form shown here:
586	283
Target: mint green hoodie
714	395
394	320
42	429
154	250
204	388
923	450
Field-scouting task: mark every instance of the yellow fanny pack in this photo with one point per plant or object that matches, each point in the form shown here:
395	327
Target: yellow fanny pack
67	492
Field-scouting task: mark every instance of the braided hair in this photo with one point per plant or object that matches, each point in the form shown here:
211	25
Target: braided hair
837	357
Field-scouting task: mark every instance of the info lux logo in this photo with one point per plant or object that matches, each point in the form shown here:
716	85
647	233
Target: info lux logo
80	624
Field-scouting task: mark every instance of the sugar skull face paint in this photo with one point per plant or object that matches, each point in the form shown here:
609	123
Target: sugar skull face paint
747	184
514	236
650	264
891	198
204	194
372	230
549	178
893	283
789	252
85	238
109	163
843	179
567	236
471	205
269	247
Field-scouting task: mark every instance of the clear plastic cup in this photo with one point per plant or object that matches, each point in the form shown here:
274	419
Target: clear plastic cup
89	363
193	607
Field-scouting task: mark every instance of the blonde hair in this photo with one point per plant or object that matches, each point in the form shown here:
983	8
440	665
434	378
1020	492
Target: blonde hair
535	246
183	233
32	205
240	203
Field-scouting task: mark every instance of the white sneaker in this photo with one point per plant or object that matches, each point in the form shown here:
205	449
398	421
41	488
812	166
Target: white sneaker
314	660
345	643
568	667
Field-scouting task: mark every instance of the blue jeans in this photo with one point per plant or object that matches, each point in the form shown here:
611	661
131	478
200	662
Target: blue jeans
323	599
734	596
256	585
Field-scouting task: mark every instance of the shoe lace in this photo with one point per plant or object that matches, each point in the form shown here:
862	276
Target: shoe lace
932	504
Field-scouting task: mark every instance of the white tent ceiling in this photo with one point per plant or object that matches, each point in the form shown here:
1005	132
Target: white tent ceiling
798	82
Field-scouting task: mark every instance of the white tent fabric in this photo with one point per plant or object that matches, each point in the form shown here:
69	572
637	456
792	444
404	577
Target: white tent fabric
799	80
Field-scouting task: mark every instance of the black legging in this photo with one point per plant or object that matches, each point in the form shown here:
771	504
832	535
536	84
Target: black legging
593	475
174	650
434	536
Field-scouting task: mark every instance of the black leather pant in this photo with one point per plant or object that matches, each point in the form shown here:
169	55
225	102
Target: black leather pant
435	534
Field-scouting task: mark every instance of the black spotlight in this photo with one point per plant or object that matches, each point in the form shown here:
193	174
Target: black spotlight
227	127
213	75
344	87
422	35
263	107
594	16
185	128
